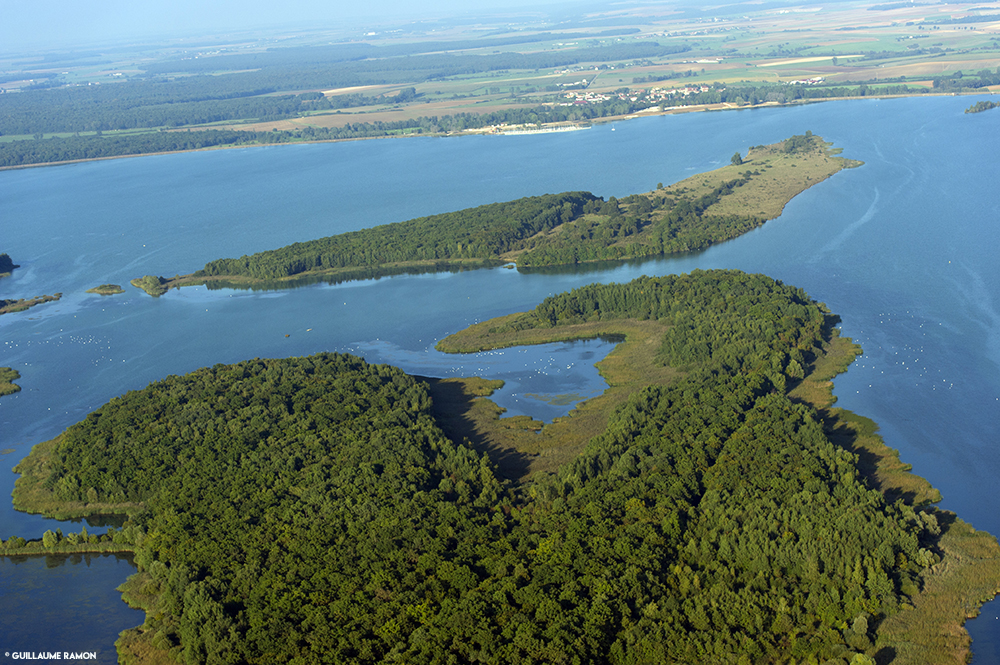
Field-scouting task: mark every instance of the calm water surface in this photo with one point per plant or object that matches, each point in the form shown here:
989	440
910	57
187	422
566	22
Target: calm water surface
903	249
36	592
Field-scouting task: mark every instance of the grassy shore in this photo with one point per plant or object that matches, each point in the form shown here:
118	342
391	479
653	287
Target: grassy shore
35	547
157	286
145	644
22	304
521	446
928	630
8	376
32	496
107	289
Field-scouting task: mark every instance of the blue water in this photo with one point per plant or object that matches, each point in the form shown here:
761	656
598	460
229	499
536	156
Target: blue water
36	592
903	249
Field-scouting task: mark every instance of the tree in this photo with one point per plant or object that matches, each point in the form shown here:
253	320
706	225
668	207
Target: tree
737	160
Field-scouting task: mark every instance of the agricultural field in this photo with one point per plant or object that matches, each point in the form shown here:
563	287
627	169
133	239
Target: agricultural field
486	73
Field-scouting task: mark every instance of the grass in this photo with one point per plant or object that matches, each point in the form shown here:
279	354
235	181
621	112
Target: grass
35	548
32	496
952	591
520	446
775	177
22	304
782	176
107	289
135	645
8	376
928	629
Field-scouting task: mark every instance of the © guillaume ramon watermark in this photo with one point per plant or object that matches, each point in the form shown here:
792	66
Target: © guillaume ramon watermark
51	655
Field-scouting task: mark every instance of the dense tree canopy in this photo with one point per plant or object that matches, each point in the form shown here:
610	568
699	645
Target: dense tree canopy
589	229
483	233
310	509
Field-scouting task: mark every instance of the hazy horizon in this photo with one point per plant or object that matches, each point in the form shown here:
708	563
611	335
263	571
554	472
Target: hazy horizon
55	24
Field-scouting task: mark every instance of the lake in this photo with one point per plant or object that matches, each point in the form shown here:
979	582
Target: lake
903	249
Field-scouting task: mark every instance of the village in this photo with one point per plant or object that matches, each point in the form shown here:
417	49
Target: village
655	96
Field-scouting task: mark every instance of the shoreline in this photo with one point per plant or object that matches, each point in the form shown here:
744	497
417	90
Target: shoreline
749	192
676	110
930	628
24	304
965	574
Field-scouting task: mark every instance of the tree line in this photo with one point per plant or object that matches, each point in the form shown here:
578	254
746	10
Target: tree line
160	100
482	233
591	229
311	509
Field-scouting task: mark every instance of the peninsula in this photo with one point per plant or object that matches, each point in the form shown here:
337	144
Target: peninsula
710	506
22	304
981	106
555	229
107	290
8	375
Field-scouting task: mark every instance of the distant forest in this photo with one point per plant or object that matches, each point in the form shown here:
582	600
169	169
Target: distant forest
162	101
49	117
311	509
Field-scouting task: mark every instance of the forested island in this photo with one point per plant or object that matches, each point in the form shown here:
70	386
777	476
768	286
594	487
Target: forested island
554	229
107	290
711	507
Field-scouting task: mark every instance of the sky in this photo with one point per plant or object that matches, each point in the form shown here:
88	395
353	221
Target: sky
26	26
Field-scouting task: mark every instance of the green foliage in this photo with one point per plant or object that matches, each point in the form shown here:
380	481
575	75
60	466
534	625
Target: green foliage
151	284
162	99
640	226
8	376
978	107
589	229
480	234
801	143
107	289
310	509
737	160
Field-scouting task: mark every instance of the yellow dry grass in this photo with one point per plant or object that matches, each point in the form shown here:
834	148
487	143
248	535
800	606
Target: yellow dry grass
782	176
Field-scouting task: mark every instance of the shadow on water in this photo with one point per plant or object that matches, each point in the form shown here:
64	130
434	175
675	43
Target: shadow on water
605	266
356	275
60	560
844	435
100	521
362	274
